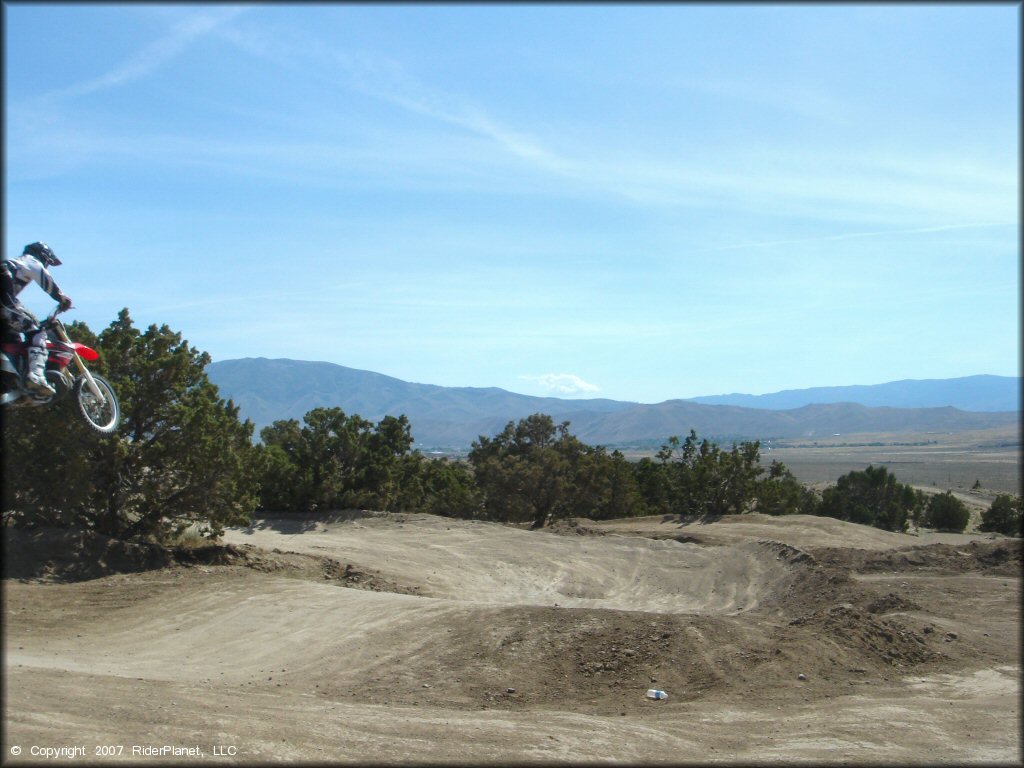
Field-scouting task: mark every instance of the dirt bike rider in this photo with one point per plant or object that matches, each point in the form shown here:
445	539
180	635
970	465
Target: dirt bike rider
14	276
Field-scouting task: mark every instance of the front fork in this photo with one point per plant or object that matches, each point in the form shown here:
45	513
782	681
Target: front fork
81	366
89	379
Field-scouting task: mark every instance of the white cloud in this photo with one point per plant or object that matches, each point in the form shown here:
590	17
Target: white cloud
563	384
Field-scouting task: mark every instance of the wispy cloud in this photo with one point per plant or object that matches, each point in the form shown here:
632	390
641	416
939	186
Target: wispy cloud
871	188
854	236
157	53
853	190
386	79
799	100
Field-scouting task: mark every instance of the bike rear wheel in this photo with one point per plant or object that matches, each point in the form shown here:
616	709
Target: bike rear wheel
102	415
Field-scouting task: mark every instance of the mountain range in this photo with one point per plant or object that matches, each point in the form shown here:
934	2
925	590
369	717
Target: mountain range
968	393
451	418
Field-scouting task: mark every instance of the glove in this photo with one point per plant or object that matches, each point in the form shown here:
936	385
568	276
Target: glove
65	303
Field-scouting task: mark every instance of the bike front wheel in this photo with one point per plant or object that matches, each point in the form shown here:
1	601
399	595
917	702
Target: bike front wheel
103	415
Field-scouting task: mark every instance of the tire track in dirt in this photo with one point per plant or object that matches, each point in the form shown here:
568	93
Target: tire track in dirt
469	639
494	564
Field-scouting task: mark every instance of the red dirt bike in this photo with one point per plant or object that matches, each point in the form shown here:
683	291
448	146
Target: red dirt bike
94	396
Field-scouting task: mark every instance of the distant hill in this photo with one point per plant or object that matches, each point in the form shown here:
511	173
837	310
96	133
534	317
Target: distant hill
968	393
677	417
452	417
268	390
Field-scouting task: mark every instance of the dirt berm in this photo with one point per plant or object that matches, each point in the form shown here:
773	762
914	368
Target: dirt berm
411	638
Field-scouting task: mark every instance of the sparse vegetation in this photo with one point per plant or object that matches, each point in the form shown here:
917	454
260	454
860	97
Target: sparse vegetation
535	471
182	458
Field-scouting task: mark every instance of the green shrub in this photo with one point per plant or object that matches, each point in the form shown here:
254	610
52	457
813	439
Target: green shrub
869	497
947	513
1004	516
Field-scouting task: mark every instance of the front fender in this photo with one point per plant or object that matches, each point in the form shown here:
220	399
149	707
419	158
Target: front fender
84	352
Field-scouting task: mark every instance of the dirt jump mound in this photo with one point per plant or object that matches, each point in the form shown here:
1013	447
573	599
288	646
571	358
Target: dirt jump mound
418	638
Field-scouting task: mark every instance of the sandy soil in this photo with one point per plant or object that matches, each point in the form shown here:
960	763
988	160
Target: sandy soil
413	638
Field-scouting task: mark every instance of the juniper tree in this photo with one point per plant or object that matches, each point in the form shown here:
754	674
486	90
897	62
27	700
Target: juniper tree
1003	516
870	497
179	457
947	513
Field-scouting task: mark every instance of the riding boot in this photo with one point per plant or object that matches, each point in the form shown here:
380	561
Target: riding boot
36	378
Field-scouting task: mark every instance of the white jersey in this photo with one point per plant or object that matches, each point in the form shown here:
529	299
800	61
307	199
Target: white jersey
24	269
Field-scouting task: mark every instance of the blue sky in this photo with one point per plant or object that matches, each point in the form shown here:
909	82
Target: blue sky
640	202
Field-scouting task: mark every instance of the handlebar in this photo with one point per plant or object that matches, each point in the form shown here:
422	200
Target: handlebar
51	319
56	311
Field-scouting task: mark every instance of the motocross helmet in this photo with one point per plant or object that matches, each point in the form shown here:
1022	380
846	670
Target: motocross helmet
44	253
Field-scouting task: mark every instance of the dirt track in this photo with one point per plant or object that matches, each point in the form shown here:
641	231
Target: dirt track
404	638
